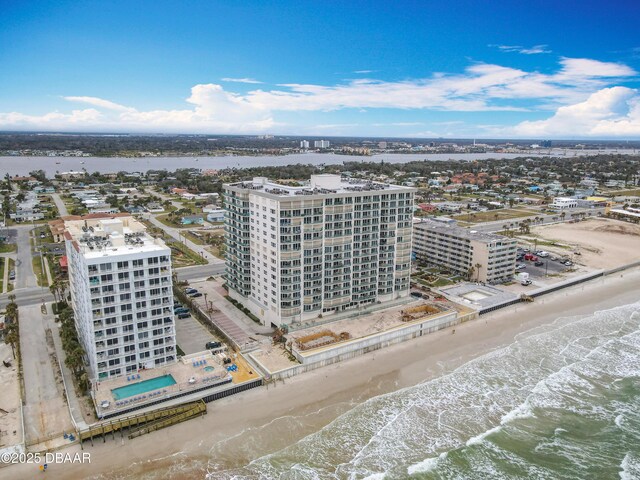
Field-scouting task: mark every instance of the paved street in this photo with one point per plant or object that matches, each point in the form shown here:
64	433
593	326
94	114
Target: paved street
45	412
24	269
200	271
62	208
175	233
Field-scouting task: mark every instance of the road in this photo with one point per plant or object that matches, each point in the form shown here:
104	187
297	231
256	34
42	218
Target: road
25	276
45	411
200	271
175	233
546	219
62	208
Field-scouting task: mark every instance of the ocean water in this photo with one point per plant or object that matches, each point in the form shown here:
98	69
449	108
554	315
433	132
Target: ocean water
561	402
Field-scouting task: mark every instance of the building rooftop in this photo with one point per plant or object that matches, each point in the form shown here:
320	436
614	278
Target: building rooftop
459	232
103	235
323	184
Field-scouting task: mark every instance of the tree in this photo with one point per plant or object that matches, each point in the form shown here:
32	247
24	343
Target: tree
478	266
12	337
470	272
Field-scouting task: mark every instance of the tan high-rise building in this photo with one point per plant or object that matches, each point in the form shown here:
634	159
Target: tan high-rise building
489	257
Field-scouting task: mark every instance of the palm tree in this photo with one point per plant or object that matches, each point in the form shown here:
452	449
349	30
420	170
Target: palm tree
11	312
478	266
54	290
75	360
470	272
12	337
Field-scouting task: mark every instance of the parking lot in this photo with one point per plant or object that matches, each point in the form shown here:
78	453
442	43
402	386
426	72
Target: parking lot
191	336
549	267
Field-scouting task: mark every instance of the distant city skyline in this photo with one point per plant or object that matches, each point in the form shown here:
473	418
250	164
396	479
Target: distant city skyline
455	69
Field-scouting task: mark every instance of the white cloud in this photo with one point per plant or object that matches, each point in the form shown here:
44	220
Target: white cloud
364	72
99	102
610	112
210	108
52	119
240	80
536	49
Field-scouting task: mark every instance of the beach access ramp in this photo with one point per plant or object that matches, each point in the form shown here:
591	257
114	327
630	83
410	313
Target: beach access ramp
141	423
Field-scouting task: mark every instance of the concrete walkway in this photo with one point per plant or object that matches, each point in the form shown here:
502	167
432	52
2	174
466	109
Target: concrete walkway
73	402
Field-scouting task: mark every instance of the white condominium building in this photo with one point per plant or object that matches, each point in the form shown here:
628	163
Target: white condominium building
484	257
298	253
121	292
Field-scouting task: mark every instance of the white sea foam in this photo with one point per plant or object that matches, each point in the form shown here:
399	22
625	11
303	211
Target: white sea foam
480	438
375	476
426	465
630	467
409	430
523	410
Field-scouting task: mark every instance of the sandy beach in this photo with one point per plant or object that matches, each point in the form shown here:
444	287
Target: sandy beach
274	417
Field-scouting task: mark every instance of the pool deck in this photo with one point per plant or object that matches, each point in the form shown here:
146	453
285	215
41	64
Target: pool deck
182	371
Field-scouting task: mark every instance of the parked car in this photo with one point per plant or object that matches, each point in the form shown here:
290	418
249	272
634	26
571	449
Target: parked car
12	275
416	294
543	254
568	263
184	315
177	305
531	257
525	283
181	310
521	266
190	290
553	259
211	345
539	263
195	295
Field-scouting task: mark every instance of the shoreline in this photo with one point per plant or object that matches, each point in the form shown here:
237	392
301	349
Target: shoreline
333	389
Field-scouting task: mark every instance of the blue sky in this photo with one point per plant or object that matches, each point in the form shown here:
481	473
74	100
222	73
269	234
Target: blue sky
518	69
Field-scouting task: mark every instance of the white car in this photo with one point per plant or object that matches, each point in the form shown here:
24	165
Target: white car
521	266
543	254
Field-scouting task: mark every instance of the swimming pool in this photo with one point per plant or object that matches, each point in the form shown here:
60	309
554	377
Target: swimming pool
142	387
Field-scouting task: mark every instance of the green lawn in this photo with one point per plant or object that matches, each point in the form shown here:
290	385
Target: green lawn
493	215
41	277
195	239
183	256
165	219
7	247
11	266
